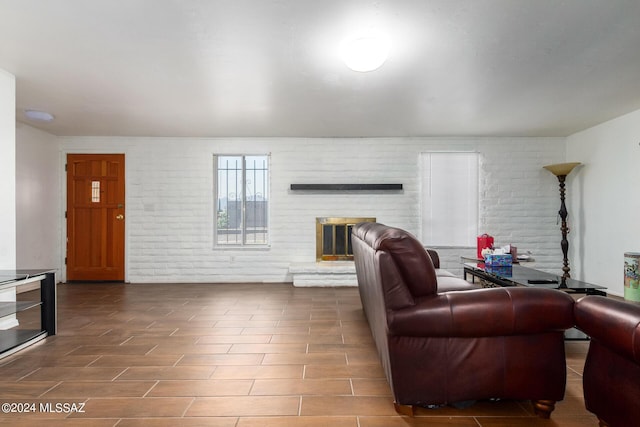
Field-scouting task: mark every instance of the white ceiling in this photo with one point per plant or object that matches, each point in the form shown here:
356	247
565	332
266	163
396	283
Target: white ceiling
271	67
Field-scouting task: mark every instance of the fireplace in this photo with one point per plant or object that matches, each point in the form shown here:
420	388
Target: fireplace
333	238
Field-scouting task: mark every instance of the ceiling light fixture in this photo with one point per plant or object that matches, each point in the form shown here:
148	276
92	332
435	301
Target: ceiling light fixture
365	52
38	116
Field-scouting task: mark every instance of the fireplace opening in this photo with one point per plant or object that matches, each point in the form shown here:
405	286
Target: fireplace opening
333	238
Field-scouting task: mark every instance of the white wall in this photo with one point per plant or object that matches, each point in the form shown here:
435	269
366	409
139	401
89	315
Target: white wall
605	192
38	202
169	206
519	200
7	171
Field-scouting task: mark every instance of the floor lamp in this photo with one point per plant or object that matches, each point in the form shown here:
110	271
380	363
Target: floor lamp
561	170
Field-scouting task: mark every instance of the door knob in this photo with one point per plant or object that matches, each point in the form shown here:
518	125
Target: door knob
120	217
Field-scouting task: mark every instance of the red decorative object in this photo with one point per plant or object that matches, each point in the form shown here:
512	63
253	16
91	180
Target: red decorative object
484	241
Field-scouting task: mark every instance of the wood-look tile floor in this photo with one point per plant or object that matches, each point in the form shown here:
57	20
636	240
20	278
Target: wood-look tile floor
227	355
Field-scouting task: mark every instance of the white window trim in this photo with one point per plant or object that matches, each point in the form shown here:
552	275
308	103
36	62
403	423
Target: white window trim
241	246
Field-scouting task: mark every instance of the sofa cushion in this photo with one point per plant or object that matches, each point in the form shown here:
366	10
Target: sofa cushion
452	283
410	257
614	323
444	273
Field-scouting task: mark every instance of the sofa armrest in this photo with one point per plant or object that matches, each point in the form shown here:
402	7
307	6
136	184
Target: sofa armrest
485	312
435	258
613	323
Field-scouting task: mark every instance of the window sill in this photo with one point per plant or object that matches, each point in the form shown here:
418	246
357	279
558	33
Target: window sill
242	248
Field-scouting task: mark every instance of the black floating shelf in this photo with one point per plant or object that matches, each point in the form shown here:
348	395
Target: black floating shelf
347	187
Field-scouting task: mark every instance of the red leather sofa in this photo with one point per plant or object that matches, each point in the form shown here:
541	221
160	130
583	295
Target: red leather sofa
611	378
448	344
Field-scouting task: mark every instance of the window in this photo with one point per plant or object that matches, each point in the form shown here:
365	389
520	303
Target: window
242	200
449	199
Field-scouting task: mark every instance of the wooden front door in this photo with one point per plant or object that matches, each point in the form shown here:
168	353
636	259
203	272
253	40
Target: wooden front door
95	217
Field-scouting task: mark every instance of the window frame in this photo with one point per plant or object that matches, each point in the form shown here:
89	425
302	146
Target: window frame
243	244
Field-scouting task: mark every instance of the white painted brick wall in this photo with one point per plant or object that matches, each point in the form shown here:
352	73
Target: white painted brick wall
519	200
169	206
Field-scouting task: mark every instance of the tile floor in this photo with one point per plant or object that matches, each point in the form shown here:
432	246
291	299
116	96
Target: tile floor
227	355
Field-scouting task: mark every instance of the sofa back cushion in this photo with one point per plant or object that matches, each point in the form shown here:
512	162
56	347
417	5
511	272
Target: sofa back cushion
377	284
615	324
410	259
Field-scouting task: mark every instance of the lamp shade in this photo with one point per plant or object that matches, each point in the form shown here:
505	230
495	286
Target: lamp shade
560	169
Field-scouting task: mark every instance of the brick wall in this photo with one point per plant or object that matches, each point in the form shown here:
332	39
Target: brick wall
170	208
